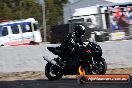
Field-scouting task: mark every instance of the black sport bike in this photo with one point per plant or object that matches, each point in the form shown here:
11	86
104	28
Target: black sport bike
86	60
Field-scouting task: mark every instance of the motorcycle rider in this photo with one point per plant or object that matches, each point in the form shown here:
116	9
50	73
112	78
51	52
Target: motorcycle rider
69	47
73	41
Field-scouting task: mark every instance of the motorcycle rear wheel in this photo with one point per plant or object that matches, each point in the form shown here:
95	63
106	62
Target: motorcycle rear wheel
53	72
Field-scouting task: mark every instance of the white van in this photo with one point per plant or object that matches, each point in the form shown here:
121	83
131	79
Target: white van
22	32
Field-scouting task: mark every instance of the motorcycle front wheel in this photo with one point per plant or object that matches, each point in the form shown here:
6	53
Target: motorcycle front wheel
99	66
53	72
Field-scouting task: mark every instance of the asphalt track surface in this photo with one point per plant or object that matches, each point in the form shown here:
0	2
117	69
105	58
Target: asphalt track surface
63	83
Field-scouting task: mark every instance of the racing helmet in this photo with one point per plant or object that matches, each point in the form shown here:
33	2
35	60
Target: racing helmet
79	30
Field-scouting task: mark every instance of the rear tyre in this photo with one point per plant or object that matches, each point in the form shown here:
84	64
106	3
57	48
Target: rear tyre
53	72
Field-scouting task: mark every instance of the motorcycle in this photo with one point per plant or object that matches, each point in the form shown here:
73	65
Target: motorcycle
87	60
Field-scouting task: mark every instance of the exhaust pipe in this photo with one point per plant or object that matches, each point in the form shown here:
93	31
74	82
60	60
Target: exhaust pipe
50	61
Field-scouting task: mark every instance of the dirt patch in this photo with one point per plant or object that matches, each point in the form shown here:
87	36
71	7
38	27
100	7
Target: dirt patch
29	75
120	71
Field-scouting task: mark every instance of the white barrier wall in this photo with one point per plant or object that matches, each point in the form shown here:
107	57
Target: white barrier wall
118	54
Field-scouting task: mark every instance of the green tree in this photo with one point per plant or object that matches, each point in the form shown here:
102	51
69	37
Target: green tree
54	11
54	14
27	9
20	9
5	11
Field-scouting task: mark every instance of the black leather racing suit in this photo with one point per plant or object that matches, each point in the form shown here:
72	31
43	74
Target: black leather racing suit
70	45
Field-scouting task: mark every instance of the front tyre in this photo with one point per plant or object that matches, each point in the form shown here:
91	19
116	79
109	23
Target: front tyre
53	72
99	66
